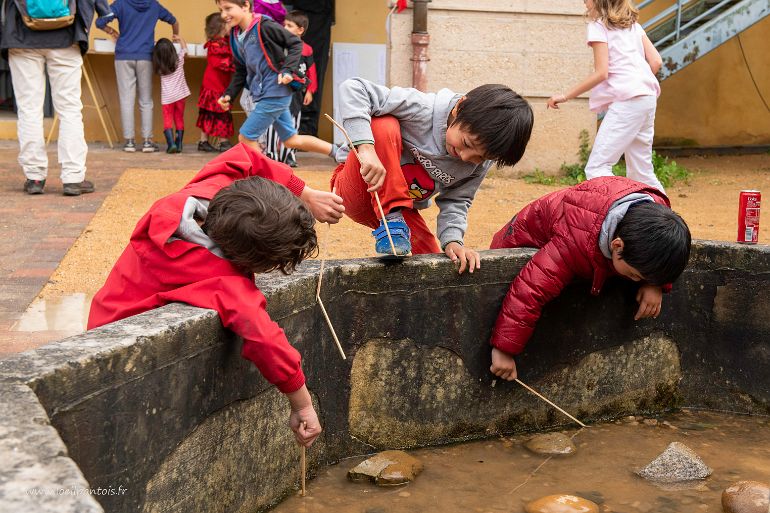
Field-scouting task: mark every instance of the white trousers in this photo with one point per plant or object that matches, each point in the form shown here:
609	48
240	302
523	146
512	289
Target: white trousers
64	67
627	128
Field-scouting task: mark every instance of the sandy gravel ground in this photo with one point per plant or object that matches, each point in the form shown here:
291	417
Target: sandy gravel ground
709	203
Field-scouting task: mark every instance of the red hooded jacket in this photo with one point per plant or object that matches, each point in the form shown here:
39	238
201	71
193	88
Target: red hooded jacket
565	225
153	271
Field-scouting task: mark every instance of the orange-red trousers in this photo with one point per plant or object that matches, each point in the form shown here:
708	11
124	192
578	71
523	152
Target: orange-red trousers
361	206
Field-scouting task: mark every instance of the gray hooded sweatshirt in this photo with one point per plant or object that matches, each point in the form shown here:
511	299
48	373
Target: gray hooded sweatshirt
423	120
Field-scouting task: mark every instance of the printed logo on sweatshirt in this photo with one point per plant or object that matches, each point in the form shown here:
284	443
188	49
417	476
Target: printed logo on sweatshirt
431	168
421	185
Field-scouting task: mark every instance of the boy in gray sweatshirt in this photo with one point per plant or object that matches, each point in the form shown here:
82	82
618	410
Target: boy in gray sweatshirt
416	145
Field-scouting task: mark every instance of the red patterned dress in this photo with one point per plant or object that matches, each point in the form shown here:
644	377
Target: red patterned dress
212	120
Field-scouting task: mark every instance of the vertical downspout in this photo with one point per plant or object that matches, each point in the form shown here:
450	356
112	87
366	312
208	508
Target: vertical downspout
420	40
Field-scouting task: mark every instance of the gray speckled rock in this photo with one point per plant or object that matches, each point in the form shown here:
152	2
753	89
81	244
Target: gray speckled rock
551	444
387	468
746	497
676	464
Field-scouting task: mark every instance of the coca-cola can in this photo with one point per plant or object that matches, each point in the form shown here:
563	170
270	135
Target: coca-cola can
748	217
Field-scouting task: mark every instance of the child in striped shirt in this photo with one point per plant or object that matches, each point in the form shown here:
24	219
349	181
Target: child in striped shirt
169	64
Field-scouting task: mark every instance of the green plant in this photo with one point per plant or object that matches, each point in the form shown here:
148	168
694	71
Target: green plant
539	177
667	171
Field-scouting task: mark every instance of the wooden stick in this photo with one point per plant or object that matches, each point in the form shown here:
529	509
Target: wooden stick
376	196
549	402
302	465
334	334
318	296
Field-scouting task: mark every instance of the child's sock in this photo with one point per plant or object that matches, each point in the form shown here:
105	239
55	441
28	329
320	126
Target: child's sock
395	216
333	152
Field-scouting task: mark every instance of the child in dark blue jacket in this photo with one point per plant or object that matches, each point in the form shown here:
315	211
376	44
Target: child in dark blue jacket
258	44
133	61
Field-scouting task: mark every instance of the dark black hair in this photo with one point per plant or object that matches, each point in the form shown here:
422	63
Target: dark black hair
214	25
656	242
164	57
499	119
260	226
299	18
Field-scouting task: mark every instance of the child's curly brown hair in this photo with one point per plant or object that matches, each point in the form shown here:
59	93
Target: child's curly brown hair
260	226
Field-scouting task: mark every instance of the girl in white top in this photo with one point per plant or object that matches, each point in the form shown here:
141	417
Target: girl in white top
624	85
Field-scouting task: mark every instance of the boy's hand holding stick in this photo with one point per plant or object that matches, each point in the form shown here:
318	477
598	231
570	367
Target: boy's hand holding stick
504	367
376	196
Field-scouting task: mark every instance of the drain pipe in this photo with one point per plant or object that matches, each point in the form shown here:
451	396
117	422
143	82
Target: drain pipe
420	40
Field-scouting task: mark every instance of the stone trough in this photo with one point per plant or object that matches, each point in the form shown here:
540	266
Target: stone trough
159	413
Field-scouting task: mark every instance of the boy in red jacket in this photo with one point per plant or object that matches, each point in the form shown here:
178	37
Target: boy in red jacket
202	245
608	226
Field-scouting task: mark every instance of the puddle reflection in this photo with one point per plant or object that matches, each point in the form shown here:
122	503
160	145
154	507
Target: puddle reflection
66	313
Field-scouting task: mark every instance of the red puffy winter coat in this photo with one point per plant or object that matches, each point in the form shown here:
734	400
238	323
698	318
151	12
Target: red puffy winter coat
565	225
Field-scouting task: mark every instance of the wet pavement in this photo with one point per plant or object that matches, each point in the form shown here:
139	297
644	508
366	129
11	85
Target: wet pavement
37	231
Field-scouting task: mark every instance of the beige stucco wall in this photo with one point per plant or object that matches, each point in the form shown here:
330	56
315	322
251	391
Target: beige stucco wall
357	21
191	16
534	46
713	102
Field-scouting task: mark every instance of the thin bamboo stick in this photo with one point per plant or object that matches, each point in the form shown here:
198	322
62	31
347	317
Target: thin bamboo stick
541	396
321	303
303	465
376	196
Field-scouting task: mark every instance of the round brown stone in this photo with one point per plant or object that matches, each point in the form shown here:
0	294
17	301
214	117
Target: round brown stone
551	443
561	504
746	497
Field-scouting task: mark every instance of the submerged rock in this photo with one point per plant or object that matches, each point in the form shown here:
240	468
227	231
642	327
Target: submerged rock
388	468
551	443
746	497
678	463
561	504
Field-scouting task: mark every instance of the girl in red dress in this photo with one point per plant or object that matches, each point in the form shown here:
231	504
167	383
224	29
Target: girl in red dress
214	122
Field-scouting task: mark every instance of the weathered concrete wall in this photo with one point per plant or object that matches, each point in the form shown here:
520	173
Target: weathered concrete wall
536	47
161	408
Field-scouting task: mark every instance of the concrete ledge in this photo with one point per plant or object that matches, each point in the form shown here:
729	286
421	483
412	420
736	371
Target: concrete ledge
162	406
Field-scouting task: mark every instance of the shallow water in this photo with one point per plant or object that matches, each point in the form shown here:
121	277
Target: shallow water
67	314
492	475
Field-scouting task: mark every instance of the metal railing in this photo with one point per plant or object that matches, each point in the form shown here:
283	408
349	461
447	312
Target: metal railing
675	12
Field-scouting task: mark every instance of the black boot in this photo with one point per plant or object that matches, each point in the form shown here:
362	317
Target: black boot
172	148
179	137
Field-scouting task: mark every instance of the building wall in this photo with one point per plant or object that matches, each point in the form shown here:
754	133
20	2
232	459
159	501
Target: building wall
714	102
534	46
191	16
357	21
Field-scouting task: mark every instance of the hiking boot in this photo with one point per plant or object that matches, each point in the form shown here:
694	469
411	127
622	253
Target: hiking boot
130	146
400	233
149	147
76	189
206	147
34	186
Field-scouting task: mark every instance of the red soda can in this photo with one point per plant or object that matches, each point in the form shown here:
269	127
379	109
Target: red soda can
748	217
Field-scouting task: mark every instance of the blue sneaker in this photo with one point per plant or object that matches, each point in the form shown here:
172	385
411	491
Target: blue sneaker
400	233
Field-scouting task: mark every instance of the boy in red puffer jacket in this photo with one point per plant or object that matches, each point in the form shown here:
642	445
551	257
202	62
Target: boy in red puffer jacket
608	226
